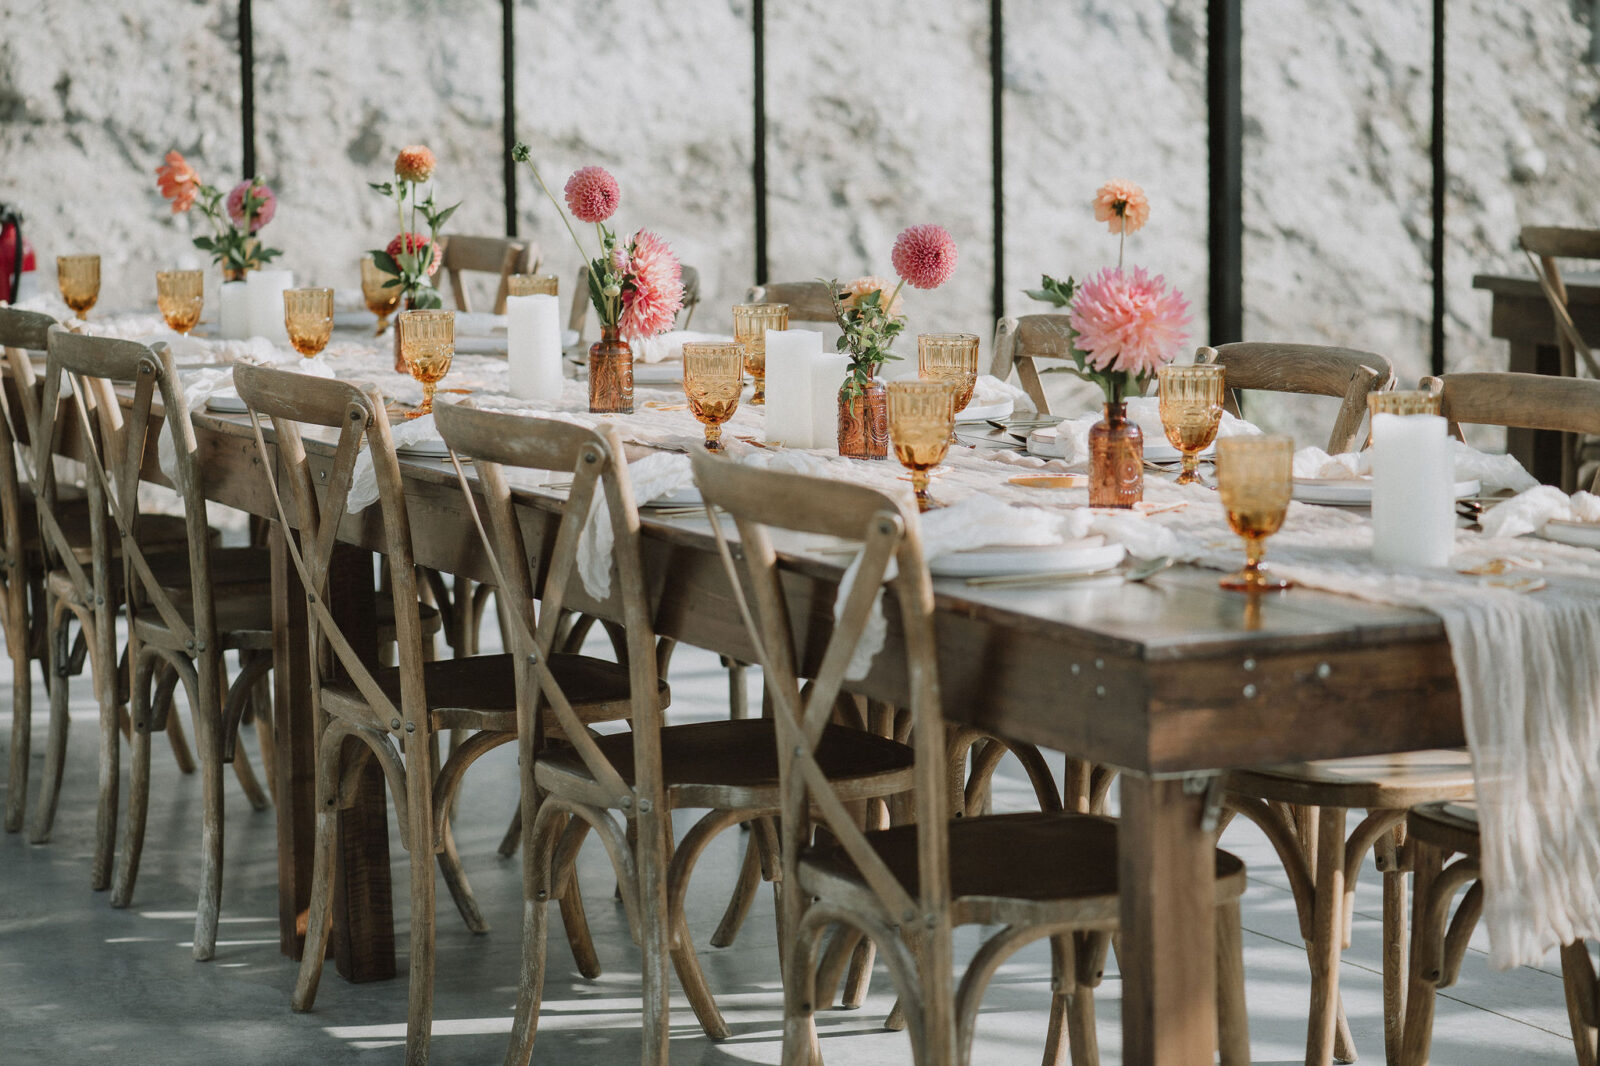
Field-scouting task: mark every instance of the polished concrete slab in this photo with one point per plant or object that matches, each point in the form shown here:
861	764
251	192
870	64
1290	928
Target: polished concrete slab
82	983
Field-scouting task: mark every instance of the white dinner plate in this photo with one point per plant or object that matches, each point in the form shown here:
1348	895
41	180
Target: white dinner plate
226	403
982	412
1045	443
1078	557
1355	492
1577	534
431	448
684	497
669	372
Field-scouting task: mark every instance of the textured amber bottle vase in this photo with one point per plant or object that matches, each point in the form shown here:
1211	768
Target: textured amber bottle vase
1116	460
610	374
864	423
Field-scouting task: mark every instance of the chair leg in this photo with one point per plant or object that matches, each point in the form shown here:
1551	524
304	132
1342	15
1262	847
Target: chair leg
325	843
101	670
1233	1023
693	980
513	836
1396	939
1427	933
177	739
138	812
419	1003
536	885
16	635
1327	934
799	999
1080	1027
744	894
55	758
576	921
1061	980
208	909
455	880
1578	979
860	975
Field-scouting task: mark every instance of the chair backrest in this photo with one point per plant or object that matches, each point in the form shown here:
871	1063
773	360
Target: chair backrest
1308	369
1544	245
356	413
809	301
1520	401
20	333
1019	341
759	501
120	443
691	297
501	256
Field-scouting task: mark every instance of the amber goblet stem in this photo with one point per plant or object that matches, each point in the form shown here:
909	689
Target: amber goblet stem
383	324
759	396
427	400
1191	470
919	484
714	437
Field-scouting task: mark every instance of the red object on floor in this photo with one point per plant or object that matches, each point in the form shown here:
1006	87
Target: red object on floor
10	230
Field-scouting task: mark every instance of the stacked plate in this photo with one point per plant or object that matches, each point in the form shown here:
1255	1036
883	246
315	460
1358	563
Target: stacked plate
1355	492
1087	556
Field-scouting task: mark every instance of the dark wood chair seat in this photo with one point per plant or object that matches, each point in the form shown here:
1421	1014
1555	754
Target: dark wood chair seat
735	764
1452	826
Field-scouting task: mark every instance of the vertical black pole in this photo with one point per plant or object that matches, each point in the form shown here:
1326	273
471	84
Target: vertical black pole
1436	347
759	168
247	91
1225	120
508	108
997	151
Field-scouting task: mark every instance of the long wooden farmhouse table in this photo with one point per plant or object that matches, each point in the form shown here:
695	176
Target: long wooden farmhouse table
1169	681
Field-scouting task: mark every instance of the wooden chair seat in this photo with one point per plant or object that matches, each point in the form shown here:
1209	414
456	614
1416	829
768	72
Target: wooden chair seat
1040	867
1372	782
1451	826
735	764
154	531
480	692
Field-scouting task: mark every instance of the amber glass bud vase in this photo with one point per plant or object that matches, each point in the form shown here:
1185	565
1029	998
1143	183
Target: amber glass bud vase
864	423
610	374
1116	460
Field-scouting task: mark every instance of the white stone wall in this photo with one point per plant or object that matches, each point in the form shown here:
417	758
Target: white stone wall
878	118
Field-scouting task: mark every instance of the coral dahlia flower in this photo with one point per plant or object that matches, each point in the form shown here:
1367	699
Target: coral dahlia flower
415	242
592	194
267	207
654	293
1122	205
855	290
1128	321
178	182
925	256
415	163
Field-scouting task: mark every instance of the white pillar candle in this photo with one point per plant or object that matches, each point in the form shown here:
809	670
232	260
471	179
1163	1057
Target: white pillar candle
266	288
827	375
791	354
533	347
234	311
1413	479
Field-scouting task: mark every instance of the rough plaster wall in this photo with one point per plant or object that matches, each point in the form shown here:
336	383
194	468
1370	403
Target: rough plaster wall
872	126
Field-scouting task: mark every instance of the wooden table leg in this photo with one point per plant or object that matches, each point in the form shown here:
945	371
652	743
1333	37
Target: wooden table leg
363	907
295	735
1167	869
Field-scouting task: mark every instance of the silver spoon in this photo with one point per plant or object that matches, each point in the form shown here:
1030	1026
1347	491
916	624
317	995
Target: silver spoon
1143	572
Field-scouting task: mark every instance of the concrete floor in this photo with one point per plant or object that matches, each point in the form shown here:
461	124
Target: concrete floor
81	982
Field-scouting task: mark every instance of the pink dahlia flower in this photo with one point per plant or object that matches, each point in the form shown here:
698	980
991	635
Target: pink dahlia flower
415	163
593	194
178	182
1129	322
1121	204
925	256
265	209
415	242
654	293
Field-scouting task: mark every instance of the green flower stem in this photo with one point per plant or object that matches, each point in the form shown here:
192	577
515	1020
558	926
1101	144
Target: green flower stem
564	220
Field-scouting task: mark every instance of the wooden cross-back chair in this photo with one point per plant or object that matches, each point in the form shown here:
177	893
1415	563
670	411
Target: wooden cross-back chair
569	789
1544	247
1308	369
181	617
1018	342
1522	401
809	301
498	256
1439	940
391	714
907	887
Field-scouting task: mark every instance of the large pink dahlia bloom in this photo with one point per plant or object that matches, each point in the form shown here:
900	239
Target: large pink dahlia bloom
593	194
1129	321
651	299
925	256
264	210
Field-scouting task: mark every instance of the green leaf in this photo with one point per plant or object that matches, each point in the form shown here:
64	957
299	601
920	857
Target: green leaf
437	221
425	297
385	262
205	244
381	186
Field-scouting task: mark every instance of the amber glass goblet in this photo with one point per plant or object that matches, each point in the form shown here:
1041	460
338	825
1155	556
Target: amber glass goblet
533	285
922	415
953	359
427	344
79	277
1255	478
713	377
180	294
381	296
1191	411
750	325
308	316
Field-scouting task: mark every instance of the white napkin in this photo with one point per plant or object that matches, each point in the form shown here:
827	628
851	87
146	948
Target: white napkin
1143	411
479	323
990	390
200	385
1529	511
669	345
654	476
1493	472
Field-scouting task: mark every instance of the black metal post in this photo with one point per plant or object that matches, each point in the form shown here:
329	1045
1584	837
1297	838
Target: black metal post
997	151
1225	121
1436	348
759	167
247	91
508	108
